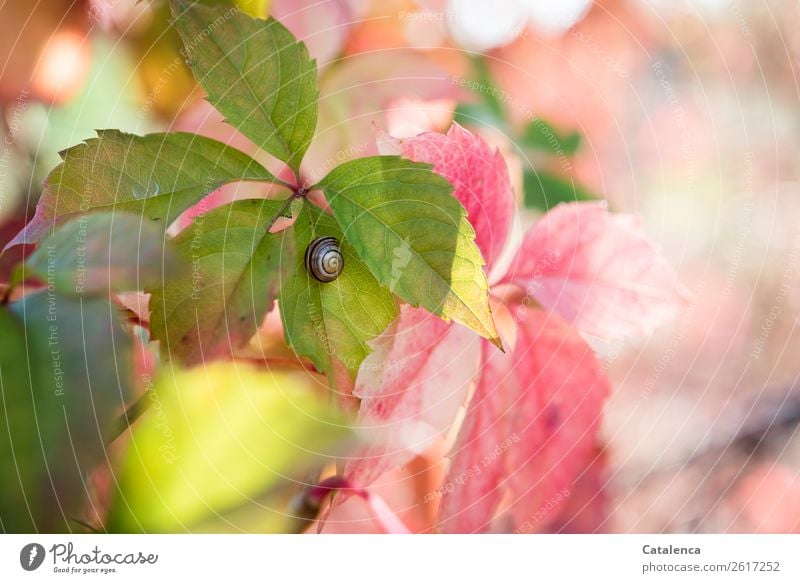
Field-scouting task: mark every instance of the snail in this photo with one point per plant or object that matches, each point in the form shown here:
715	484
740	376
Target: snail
324	260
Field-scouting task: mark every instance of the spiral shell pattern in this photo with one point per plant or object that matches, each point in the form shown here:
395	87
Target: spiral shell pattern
324	260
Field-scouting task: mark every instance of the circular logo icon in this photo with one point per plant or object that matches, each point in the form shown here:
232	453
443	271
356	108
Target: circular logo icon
31	556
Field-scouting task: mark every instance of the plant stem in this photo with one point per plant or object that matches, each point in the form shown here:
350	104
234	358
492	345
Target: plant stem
284	184
128	417
298	180
17	277
307	505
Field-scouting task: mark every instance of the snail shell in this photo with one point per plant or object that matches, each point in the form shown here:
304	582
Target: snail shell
324	260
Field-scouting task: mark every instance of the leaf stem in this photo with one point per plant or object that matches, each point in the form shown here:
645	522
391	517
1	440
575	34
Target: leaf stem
87	526
128	417
297	179
6	294
17	277
307	505
284	183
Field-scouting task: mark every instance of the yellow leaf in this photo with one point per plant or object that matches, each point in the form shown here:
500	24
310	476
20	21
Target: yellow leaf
216	438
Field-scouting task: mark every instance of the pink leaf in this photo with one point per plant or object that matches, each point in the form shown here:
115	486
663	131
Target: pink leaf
472	488
598	271
529	430
478	174
411	388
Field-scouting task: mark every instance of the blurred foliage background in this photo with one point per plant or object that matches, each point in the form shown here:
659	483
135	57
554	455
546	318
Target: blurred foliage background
684	111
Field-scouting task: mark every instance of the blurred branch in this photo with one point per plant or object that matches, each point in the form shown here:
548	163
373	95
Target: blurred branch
766	421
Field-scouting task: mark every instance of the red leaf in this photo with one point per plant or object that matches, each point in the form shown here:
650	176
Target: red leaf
478	174
529	430
411	388
598	271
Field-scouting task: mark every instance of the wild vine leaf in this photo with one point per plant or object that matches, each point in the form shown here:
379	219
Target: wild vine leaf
478	174
588	503
331	322
237	268
530	428
105	252
255	73
556	415
77	357
157	176
414	236
484	428
222	436
411	389
598	270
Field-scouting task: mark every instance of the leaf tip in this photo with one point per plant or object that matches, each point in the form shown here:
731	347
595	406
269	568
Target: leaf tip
497	342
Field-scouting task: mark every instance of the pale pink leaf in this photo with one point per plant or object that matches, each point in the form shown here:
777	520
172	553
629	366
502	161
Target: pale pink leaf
472	488
478	174
597	270
411	388
407	117
767	499
529	429
383	513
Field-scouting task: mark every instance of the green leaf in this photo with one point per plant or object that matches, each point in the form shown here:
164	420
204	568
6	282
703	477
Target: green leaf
21	461
87	353
476	114
214	439
541	135
544	190
414	236
104	252
331	322
66	371
294	208
158	176
254	72
237	267
486	86
488	110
